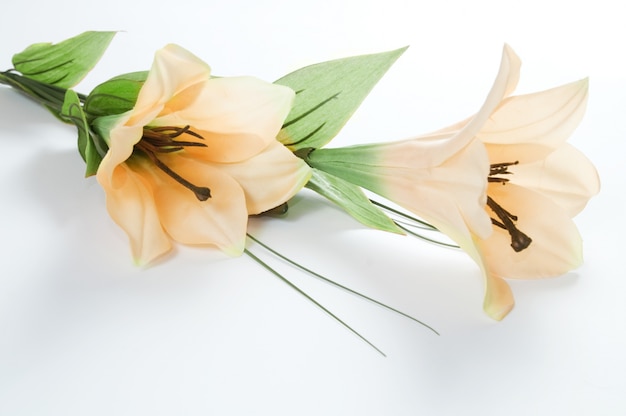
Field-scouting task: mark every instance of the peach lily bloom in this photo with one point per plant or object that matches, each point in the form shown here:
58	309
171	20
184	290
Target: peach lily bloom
536	185
195	157
454	178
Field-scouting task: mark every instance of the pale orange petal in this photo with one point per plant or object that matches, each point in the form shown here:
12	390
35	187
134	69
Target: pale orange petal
547	117
174	69
228	148
504	84
238	117
499	299
451	195
220	220
523	154
459	134
122	140
270	178
566	177
514	73
556	246
130	203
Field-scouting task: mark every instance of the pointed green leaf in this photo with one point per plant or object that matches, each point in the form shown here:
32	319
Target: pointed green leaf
327	94
352	199
63	64
73	112
115	96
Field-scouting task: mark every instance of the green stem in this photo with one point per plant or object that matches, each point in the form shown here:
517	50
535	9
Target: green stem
423	237
421	223
49	96
316	303
332	282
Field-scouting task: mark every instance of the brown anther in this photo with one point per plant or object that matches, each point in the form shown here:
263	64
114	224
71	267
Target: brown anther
519	240
500	169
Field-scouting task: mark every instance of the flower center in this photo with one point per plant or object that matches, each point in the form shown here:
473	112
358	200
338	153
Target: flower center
506	220
157	140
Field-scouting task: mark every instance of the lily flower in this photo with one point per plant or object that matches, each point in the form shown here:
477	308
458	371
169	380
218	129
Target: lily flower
195	156
503	184
537	183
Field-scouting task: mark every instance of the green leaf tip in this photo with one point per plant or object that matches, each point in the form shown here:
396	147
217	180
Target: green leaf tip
327	94
63	64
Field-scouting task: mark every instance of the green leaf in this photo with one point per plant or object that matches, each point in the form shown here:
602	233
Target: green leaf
103	126
115	96
64	64
352	199
327	94
73	112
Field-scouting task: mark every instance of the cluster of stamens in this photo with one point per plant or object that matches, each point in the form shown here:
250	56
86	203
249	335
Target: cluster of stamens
500	169
157	140
506	220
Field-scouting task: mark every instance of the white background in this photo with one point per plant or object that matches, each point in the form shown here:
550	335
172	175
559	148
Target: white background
84	332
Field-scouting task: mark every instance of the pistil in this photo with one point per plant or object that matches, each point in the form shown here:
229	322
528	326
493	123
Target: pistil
201	192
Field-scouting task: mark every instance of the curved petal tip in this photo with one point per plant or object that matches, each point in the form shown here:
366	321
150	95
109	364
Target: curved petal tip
499	299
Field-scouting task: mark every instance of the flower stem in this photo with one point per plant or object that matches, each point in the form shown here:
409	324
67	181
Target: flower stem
411	221
303	293
421	224
47	95
332	282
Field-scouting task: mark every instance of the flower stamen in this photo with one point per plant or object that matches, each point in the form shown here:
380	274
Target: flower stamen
500	169
519	240
161	140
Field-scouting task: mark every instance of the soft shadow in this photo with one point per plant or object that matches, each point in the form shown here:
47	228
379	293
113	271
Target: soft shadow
52	174
56	181
534	287
21	114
